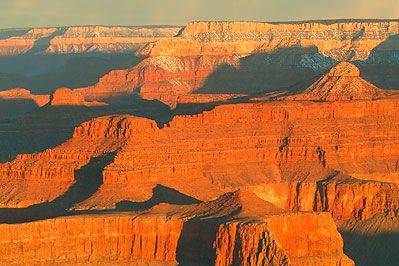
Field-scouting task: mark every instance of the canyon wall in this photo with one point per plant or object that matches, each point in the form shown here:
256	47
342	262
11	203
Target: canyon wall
158	238
343	40
92	239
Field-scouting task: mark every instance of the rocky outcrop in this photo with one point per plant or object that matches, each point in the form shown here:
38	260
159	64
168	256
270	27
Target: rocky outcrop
161	78
107	39
41	177
66	96
17	102
342	82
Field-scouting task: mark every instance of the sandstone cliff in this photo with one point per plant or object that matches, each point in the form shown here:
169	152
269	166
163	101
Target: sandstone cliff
339	40
158	236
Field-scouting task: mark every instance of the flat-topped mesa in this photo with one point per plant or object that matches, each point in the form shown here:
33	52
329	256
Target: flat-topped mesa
342	82
122	127
236	30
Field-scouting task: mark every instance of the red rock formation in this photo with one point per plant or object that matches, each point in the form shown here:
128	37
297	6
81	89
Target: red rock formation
271	244
160	78
107	39
41	177
342	82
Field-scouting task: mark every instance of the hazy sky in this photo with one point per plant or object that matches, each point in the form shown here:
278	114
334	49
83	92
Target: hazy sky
23	13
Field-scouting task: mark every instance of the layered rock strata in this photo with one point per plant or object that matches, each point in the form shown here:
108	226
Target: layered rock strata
245	237
319	165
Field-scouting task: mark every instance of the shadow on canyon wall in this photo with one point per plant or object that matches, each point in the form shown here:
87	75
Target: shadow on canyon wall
195	245
8	33
382	66
286	69
160	194
43	73
88	180
43	43
11	108
380	249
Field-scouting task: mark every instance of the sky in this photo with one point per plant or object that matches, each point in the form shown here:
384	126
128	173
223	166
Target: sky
31	13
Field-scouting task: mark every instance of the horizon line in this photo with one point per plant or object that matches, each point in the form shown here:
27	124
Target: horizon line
320	21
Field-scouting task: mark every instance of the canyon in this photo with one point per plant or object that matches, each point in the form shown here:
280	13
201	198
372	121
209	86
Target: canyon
220	143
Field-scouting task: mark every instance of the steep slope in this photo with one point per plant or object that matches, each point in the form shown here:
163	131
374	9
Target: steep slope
342	82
